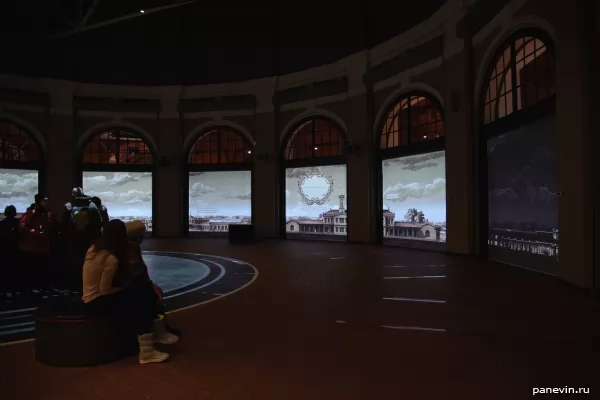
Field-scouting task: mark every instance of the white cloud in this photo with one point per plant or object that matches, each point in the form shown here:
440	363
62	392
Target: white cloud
123	193
400	192
129	197
17	187
243	196
198	189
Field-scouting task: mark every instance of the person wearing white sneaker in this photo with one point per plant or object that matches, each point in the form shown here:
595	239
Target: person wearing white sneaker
134	304
161	335
148	354
135	275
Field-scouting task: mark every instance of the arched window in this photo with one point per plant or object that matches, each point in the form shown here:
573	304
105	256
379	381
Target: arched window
522	75
221	145
219	181
315	137
518	154
413	118
117	165
314	170
117	146
413	174
17	145
21	167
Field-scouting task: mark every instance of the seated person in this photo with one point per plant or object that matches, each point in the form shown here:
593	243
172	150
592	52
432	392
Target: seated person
136	275
101	298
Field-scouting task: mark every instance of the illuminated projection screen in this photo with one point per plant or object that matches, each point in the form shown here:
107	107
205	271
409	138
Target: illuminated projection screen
126	195
219	199
414	197
18	188
315	202
523	198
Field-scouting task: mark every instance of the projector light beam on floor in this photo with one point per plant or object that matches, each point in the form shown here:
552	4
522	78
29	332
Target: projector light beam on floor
414	300
416	277
413	328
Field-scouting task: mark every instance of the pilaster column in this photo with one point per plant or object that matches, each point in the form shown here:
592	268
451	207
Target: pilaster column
169	172
61	144
573	113
461	139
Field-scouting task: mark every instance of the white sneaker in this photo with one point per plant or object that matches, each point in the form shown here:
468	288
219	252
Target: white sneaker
159	328
148	354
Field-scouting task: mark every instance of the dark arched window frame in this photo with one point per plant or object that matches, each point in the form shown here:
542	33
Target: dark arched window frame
435	140
135	147
307	128
515	112
147	158
226	148
218	157
436	133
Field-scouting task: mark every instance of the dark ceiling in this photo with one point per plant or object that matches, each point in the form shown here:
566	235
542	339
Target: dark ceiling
197	43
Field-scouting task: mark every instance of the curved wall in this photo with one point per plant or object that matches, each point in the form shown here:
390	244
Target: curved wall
356	103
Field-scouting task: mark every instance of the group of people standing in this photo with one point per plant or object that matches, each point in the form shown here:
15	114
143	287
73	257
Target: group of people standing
40	249
103	257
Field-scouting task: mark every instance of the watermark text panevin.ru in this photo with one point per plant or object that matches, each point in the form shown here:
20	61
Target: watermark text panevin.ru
562	390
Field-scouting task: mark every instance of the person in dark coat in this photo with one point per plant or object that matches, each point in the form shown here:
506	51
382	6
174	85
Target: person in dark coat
9	240
103	211
36	231
134	274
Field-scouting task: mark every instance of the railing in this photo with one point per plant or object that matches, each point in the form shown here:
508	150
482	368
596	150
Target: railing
529	246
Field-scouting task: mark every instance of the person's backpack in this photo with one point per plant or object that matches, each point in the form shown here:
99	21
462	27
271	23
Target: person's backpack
85	216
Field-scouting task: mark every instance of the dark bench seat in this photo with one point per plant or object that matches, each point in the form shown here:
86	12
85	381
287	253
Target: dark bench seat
66	337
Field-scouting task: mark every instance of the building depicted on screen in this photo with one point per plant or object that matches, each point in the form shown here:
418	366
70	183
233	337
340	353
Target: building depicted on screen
146	220
543	243
409	230
332	222
215	223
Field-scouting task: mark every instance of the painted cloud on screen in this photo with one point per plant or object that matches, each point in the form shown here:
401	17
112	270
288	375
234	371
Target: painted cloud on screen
125	194
416	182
224	194
17	187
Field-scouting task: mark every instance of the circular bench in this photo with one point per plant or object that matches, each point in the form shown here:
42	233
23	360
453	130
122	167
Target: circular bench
66	337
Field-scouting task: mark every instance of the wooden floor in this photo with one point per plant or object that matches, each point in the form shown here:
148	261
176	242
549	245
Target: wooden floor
322	322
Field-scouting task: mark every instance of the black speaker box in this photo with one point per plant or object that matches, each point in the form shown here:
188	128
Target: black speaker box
241	234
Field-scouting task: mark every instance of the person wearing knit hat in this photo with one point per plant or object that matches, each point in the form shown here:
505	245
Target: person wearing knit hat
136	231
136	274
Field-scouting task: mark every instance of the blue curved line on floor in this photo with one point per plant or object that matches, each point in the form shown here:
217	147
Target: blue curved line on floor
16	317
15	325
15	331
17	311
30	326
190	272
218	278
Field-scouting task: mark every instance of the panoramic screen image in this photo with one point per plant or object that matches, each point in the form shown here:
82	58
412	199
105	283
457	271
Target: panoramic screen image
414	197
218	199
126	195
523	198
17	188
315	200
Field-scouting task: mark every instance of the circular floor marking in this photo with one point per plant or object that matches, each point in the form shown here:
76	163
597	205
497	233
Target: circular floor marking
172	273
187	279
